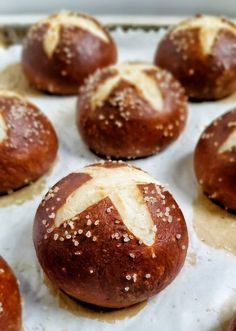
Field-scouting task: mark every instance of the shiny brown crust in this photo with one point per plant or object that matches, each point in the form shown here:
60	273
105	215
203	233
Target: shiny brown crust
216	172
78	54
30	146
232	324
10	302
109	271
125	125
204	76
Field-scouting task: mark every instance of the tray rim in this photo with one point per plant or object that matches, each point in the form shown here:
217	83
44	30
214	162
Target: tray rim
108	20
14	27
118	20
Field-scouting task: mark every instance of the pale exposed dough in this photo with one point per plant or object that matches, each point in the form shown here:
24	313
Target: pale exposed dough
213	225
120	185
136	75
3	129
229	143
209	27
51	38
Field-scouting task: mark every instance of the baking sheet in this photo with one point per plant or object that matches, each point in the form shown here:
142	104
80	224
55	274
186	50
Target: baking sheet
203	295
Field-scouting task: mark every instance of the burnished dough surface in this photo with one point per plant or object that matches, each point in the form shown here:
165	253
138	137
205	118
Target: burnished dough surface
107	243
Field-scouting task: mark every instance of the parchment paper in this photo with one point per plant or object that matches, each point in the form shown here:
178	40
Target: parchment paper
203	294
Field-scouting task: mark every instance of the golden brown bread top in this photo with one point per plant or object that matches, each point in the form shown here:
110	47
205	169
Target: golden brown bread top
136	75
130	110
65	48
215	159
21	124
66	20
121	186
200	53
149	81
220	136
208	26
116	181
28	142
102	250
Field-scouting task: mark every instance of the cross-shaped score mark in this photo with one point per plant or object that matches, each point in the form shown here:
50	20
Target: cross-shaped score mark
3	126
67	19
120	185
136	75
209	27
229	143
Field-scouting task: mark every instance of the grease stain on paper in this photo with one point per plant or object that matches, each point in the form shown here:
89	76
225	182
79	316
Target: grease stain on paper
79	308
213	225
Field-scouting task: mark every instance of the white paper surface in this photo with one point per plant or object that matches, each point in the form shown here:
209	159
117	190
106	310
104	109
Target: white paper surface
198	297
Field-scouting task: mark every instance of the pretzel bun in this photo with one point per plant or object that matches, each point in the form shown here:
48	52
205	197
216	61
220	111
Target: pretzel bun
110	235
130	110
28	142
200	52
215	160
10	302
232	324
61	50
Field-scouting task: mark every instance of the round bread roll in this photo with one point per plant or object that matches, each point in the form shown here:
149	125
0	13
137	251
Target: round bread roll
201	53
130	110
10	302
28	142
232	324
61	50
215	160
110	235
